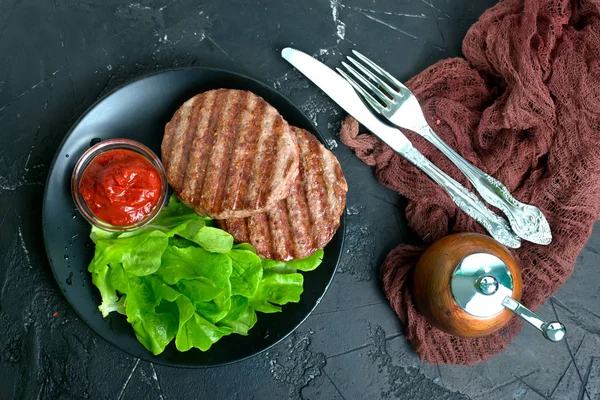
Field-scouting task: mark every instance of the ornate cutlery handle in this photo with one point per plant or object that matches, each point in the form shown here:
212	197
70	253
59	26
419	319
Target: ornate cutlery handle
525	220
466	200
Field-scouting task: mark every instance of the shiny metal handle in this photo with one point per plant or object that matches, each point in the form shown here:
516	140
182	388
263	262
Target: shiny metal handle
525	220
553	331
467	201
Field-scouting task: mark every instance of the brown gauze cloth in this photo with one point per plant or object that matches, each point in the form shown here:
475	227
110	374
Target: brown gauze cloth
525	108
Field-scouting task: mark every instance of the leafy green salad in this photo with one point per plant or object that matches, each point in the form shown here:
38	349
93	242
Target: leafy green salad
180	278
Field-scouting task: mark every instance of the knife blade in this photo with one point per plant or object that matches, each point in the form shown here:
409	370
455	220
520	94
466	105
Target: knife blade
346	97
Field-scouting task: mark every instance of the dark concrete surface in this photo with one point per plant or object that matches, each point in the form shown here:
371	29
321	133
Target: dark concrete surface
59	56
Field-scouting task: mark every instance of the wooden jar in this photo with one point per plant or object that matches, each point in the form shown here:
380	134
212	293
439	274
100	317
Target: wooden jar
432	284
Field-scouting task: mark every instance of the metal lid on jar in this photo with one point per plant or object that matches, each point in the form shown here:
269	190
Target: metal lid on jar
480	283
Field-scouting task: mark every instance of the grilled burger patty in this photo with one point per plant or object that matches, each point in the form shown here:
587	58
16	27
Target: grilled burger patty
308	218
229	154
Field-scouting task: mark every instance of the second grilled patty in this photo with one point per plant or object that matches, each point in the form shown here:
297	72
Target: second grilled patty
308	218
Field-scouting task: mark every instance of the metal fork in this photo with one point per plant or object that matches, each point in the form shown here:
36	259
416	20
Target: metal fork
398	104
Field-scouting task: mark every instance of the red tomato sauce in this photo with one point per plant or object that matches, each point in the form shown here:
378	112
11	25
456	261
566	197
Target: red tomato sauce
120	187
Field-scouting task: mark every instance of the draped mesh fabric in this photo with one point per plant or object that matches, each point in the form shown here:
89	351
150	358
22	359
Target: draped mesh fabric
524	107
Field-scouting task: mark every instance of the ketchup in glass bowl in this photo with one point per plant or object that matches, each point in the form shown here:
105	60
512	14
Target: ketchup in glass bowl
119	185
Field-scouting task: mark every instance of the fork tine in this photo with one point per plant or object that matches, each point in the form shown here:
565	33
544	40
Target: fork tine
370	99
367	83
373	77
382	71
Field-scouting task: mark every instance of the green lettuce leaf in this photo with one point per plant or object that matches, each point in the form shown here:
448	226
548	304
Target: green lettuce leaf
241	317
194	330
195	263
140	255
176	241
212	305
213	240
102	278
277	289
303	264
148	306
246	273
201	276
181	279
173	215
309	263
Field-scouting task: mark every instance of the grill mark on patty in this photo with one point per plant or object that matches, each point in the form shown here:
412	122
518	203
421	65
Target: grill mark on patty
327	184
336	195
283	229
277	238
315	184
303	219
339	190
290	165
171	133
267	166
179	147
259	234
217	163
255	178
246	155
236	126
311	170
238	182
195	135
291	228
302	180
203	147
188	140
244	229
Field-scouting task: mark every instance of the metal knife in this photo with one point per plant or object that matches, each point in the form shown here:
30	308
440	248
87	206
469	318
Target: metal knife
344	95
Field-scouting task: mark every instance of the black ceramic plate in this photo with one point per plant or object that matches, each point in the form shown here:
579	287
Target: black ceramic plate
139	111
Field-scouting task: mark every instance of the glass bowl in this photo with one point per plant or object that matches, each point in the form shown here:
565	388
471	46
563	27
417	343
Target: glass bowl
90	155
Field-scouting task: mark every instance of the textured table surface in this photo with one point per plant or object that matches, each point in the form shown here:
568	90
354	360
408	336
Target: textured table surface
59	56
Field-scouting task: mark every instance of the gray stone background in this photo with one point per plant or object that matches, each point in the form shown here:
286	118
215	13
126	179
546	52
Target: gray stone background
59	56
